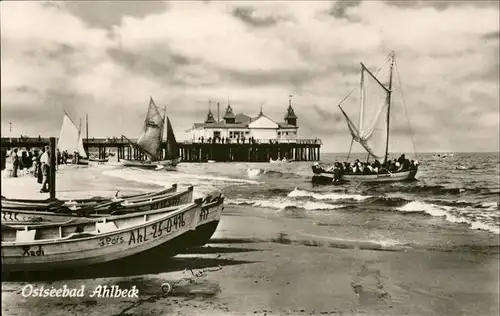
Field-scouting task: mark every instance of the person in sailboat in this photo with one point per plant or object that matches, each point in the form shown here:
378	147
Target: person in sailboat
375	167
45	167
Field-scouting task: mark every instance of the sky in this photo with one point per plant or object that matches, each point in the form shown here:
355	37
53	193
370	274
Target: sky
106	59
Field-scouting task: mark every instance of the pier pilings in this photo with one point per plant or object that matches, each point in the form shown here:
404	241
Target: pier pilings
297	150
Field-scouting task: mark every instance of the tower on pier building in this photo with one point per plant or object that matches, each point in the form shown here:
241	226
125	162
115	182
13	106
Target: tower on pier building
243	126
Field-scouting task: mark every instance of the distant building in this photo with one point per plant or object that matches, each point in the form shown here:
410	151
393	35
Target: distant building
244	127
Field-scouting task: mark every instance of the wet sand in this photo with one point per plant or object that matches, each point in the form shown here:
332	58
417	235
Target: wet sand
267	263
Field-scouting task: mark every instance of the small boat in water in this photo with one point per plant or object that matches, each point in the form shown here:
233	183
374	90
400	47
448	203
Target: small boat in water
150	142
443	155
372	132
282	160
99	160
26	216
71	245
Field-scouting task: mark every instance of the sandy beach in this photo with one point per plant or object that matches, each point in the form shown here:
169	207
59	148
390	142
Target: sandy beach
268	263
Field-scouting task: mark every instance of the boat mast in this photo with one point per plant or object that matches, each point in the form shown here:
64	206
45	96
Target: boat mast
362	97
163	131
87	126
389	92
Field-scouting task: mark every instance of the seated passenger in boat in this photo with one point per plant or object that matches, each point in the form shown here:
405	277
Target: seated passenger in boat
406	164
347	168
366	168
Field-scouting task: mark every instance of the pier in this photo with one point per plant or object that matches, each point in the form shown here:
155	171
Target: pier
243	151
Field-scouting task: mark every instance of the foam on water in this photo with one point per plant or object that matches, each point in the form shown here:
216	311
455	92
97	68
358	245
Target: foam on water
202	184
449	213
327	196
283	203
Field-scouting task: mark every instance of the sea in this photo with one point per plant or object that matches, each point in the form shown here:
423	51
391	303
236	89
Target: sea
453	191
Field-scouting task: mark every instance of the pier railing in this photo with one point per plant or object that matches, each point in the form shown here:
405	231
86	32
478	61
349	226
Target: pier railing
258	141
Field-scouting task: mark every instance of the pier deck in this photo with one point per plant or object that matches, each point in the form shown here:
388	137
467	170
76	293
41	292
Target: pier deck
256	151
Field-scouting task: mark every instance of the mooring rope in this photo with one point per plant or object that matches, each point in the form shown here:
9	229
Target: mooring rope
406	110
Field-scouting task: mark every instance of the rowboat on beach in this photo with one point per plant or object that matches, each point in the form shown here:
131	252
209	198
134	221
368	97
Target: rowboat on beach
47	203
150	142
208	220
70	245
27	216
92	241
372	131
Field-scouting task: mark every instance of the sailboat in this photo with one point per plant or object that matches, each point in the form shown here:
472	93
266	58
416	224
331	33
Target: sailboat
372	132
70	139
150	142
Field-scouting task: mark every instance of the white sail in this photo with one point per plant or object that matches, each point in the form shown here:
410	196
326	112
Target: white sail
371	131
81	149
70	138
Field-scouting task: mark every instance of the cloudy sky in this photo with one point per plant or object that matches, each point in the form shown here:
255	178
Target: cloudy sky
107	58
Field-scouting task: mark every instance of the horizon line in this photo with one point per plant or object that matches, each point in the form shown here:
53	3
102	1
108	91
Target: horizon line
421	152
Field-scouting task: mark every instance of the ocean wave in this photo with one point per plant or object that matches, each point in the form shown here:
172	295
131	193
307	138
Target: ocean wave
327	196
450	214
490	205
202	184
269	173
281	204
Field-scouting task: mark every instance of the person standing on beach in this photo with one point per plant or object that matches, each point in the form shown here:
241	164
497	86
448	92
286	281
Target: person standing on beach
15	162
44	160
39	173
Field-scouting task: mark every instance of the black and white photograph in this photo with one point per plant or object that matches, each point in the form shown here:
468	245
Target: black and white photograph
234	158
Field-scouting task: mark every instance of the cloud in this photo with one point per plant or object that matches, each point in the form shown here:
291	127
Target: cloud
106	59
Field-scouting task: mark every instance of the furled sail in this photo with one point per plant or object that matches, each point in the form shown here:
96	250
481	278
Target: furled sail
172	146
150	139
371	132
70	138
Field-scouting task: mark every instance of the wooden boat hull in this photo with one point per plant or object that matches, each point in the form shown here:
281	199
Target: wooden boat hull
31	217
99	160
113	238
25	204
149	164
210	215
138	164
322	176
208	221
81	162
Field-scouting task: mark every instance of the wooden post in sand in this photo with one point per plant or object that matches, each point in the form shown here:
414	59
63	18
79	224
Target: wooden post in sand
52	169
